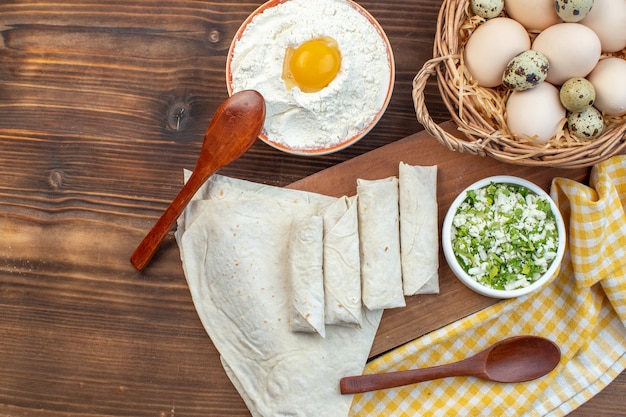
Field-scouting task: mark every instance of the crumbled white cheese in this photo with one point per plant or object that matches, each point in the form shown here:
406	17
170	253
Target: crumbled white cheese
504	236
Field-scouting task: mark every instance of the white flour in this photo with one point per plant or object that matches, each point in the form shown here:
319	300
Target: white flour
305	121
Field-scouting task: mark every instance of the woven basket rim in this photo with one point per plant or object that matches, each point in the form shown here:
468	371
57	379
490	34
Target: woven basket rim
478	135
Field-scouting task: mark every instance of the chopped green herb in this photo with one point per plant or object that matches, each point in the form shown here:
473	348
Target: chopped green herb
504	236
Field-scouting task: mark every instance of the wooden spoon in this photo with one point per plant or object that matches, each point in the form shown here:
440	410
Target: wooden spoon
516	359
235	126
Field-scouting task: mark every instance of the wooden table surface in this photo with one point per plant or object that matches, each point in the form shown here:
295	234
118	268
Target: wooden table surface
102	105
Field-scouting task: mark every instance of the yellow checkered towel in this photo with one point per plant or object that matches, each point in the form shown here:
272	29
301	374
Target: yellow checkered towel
583	310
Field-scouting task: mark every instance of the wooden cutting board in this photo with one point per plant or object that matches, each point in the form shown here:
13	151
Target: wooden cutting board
424	313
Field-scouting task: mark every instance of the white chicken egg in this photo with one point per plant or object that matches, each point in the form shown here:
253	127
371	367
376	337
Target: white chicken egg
572	49
607	18
534	15
609	80
535	114
490	48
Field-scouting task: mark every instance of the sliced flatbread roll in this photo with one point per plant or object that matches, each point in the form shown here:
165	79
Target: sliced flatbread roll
306	276
379	232
342	263
419	233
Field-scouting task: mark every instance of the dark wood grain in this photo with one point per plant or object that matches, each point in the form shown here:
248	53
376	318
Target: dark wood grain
102	104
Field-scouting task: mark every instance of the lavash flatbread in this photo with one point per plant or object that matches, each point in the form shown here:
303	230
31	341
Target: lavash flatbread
342	263
379	234
234	256
221	187
419	233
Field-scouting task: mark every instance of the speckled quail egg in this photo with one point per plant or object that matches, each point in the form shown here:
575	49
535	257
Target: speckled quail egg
586	124
572	10
577	94
525	71
487	8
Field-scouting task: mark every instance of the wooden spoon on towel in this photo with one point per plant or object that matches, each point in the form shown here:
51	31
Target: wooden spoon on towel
516	359
235	126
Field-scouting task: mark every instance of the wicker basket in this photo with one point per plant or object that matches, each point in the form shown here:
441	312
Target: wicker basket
482	130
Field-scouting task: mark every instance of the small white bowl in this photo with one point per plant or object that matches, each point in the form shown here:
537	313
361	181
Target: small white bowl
345	140
464	277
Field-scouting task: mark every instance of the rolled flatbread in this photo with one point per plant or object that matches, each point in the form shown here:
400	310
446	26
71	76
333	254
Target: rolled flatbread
419	233
306	276
342	263
379	233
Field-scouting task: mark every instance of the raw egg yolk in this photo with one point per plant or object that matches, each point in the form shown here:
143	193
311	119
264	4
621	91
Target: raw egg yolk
312	65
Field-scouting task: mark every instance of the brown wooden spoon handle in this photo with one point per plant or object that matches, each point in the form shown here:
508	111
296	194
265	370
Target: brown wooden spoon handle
150	243
373	382
232	131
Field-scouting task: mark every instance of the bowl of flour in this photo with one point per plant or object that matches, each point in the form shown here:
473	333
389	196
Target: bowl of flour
281	41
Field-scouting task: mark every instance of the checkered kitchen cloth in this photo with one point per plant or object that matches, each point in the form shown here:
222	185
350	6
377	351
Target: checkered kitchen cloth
583	310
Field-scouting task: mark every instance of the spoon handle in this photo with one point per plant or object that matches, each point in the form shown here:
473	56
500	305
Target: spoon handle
374	382
150	243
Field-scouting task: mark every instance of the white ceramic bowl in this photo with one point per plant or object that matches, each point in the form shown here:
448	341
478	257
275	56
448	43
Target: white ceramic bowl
259	33
464	277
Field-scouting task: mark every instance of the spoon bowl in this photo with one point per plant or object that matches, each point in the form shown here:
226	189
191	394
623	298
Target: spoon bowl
235	126
520	359
515	359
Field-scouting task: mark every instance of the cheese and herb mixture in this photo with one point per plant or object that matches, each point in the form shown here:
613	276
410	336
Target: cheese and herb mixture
504	236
